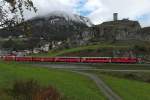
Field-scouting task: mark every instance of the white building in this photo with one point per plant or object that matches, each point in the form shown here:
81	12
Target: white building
45	47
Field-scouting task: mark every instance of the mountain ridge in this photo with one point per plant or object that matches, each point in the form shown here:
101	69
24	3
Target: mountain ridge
56	25
67	16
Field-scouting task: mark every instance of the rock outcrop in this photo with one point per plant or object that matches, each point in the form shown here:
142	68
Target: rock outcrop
145	34
117	30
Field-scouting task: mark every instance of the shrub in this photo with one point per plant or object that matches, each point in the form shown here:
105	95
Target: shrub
47	94
5	96
140	48
31	90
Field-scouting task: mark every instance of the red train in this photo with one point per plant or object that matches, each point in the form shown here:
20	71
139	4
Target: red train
74	59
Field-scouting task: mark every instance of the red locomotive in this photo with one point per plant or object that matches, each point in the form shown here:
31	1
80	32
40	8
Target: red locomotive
73	59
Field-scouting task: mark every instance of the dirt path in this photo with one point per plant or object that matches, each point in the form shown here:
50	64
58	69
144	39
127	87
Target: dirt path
104	88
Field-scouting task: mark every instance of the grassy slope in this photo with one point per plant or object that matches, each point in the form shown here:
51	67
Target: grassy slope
72	85
128	89
124	45
85	48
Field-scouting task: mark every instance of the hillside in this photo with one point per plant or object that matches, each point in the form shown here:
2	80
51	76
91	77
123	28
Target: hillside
105	49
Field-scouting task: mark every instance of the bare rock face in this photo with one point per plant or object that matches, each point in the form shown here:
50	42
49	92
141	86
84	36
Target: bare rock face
145	34
118	30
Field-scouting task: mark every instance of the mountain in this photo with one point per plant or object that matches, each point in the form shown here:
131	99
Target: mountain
67	17
53	26
74	30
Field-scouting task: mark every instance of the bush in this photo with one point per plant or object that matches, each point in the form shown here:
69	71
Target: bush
5	96
31	90
141	48
47	94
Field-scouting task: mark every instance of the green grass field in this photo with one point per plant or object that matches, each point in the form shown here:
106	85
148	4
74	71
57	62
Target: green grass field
128	89
122	66
71	85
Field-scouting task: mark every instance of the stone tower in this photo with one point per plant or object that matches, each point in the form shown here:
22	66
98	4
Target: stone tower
115	15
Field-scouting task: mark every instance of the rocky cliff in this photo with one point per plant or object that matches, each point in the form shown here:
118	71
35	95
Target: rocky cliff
117	30
145	33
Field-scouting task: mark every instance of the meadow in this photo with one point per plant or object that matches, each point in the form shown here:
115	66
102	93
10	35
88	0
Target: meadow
128	85
71	85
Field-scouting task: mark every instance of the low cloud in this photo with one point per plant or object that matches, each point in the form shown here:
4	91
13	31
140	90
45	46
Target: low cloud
97	10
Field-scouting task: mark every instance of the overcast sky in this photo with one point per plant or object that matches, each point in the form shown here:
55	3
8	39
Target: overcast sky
99	10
